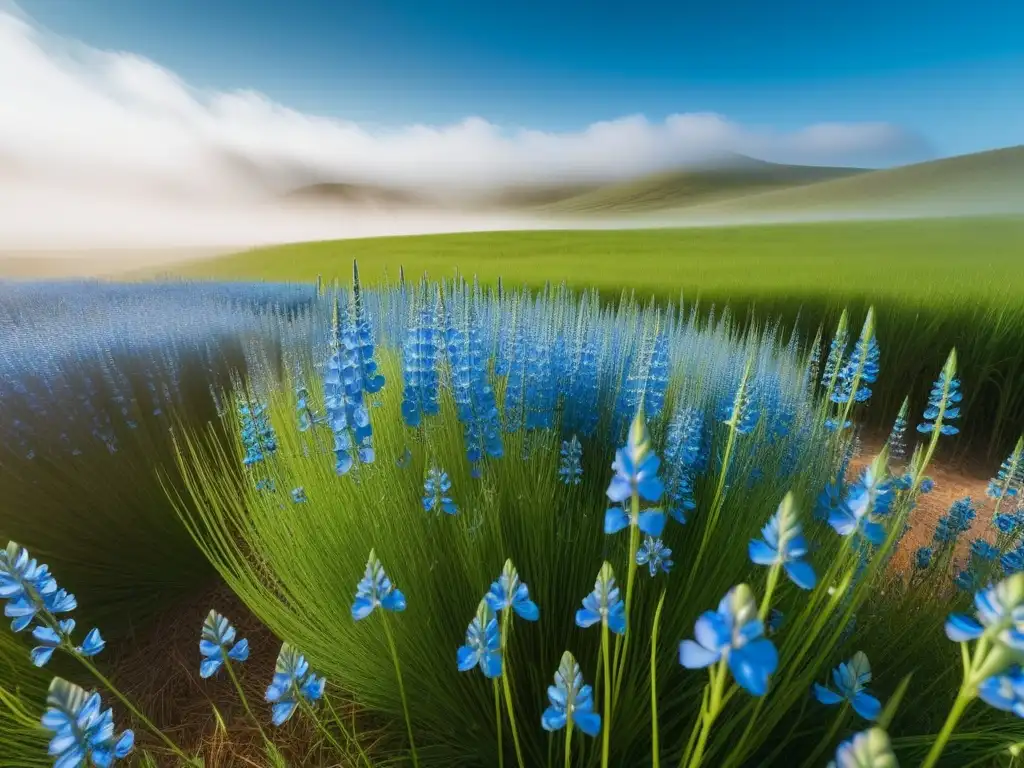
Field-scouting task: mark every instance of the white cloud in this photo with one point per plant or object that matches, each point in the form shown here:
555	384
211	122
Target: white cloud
70	111
95	143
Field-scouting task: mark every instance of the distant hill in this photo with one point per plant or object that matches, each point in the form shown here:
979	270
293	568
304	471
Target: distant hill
736	177
981	182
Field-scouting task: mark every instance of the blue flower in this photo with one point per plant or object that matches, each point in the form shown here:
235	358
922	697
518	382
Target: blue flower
784	544
28	587
1000	612
867	749
346	411
299	495
897	438
292	681
774	623
603	604
570	468
214	642
966	580
83	732
927	485
636	472
375	588
420	354
509	592
435	492
829	500
571	700
655	555
1013	561
851	678
984	551
923	557
1006	523
1009	480
1005	692
870	496
483	643
734	633
942	402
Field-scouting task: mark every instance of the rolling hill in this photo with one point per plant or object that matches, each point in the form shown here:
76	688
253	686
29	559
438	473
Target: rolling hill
737	177
982	182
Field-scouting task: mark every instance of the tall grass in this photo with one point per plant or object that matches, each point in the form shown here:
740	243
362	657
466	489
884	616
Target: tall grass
737	419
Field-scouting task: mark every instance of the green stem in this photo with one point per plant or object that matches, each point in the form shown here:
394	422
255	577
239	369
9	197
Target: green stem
773	580
716	504
132	708
698	724
634	545
963	699
827	739
350	736
568	742
606	730
655	747
506	683
497	723
401	689
718	678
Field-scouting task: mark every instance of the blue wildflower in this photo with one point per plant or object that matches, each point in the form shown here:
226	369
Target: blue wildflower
984	551
784	544
435	492
217	643
636	472
942	401
291	683
571	700
734	633
375	589
603	604
570	468
860	370
509	592
483	643
869	496
897	437
966	580
655	555
999	611
927	485
346	412
685	458
360	339
299	495
829	500
1009	480
923	557
258	436
1005	691
851	679
420	355
867	749
1005	523
83	732
1013	561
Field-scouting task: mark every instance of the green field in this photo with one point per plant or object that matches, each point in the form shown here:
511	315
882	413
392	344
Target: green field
934	283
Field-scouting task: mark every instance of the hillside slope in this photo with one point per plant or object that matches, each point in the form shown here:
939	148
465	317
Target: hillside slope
741	177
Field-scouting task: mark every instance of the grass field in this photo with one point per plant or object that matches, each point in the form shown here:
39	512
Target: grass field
934	282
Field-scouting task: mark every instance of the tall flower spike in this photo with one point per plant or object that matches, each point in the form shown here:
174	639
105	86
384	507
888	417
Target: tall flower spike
734	633
603	604
509	592
292	682
217	642
570	468
851	679
1009	480
375	589
898	435
636	471
867	749
570	700
942	402
83	732
655	555
784	544
436	486
483	643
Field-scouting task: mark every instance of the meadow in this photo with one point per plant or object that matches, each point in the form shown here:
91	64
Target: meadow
934	283
492	525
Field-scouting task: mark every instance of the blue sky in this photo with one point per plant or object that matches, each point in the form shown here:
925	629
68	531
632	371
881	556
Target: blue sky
948	75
